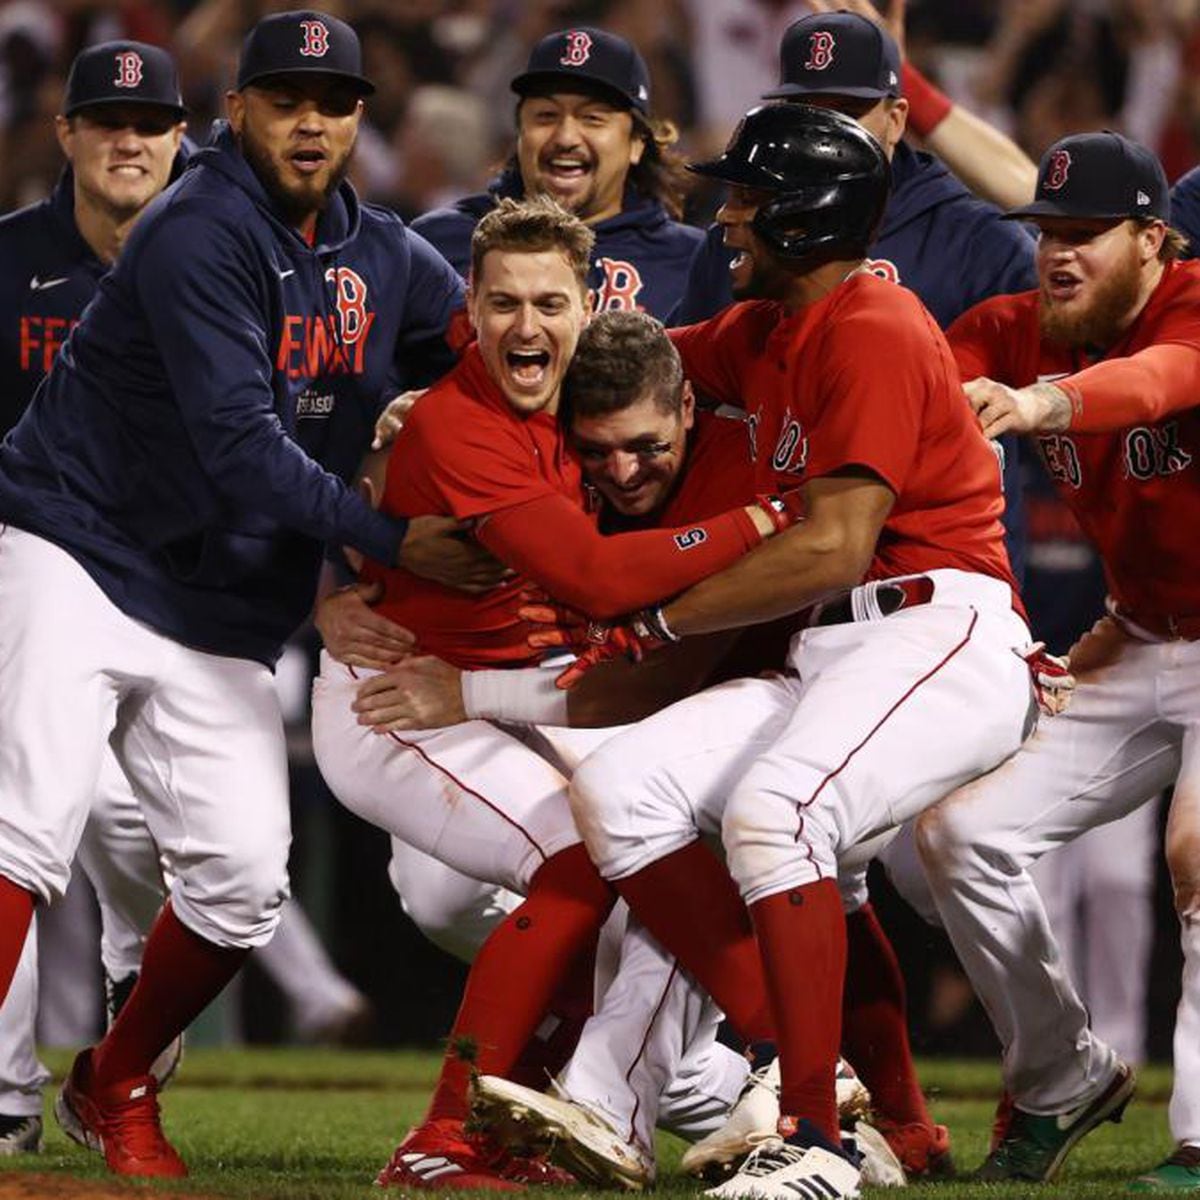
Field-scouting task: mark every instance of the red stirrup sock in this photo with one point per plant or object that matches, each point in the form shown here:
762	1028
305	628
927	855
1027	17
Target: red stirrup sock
182	973
802	933
16	913
691	905
875	1023
517	971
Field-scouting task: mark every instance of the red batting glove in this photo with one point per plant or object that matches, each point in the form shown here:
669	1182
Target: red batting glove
784	508
1053	682
559	626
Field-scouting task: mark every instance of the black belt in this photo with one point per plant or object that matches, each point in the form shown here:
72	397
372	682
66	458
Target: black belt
889	597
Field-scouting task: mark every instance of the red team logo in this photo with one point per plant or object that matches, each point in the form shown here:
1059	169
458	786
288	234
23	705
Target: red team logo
314	345
351	303
820	50
579	49
1056	172
316	39
619	291
129	69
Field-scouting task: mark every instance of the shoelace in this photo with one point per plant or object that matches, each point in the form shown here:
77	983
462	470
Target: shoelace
757	1079
770	1154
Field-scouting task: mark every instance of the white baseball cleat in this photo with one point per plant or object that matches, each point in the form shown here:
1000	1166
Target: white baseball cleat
878	1164
756	1114
570	1134
777	1170
753	1118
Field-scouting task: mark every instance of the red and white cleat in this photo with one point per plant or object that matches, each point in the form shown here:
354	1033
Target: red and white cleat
120	1121
440	1156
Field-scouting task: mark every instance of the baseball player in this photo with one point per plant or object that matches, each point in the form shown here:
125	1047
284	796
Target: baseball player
586	136
485	444
121	131
163	515
1185	209
936	238
1100	363
654	460
796	771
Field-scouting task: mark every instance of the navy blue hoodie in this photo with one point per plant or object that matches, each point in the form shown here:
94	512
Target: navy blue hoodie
641	256
48	273
939	240
169	449
1185	209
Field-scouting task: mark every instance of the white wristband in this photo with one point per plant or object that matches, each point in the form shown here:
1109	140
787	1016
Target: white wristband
527	696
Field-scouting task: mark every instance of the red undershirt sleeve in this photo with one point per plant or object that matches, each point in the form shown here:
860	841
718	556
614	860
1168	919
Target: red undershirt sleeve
555	544
1142	388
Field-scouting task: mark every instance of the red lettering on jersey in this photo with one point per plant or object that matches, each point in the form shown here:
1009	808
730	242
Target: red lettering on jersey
316	39
884	268
820	50
1057	170
578	48
620	289
129	69
39	339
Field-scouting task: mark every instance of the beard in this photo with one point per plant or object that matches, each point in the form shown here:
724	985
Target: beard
294	202
1103	321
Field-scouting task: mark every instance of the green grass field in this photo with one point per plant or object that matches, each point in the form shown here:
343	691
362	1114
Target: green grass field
317	1125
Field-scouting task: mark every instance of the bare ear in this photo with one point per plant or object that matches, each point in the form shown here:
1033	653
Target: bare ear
1152	237
688	404
63	131
235	110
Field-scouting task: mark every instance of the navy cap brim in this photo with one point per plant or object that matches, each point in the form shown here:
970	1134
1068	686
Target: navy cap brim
1049	208
538	83
363	85
788	91
144	101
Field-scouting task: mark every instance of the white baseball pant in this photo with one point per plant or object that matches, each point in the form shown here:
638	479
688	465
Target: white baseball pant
1132	729
881	719
198	735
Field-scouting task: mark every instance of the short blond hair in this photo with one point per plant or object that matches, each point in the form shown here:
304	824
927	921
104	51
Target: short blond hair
531	226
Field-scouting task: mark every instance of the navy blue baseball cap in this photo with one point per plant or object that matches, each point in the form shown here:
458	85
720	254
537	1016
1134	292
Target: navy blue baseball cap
1098	175
602	60
123	73
839	54
304	42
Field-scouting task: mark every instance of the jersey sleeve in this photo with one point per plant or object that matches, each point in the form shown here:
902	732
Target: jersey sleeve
1139	389
201	295
871	405
435	294
711	352
977	340
555	543
463	464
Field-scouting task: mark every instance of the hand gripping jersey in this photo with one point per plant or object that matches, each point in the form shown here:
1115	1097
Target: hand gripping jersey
1127	464
817	402
171	449
640	262
465	452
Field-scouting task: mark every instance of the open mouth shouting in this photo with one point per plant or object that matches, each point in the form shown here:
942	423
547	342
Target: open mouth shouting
308	160
566	172
1062	285
528	368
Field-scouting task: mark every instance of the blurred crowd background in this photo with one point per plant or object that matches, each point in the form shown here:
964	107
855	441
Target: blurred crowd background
438	127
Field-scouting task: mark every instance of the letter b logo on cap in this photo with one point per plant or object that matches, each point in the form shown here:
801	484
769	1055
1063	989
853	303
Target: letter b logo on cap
579	49
129	69
1057	169
820	51
316	39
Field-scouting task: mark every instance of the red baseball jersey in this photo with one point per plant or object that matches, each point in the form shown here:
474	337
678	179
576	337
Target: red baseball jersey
862	377
465	452
1127	464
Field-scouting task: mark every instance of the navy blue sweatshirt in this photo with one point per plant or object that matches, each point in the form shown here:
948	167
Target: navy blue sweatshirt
48	273
171	449
938	239
641	258
1185	209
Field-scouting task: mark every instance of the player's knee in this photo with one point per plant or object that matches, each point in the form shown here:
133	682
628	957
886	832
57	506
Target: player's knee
942	835
234	900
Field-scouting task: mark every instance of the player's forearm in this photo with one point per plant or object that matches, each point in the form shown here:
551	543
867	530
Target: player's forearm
1140	389
789	573
989	162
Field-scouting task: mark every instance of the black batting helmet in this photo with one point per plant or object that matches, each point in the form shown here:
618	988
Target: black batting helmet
829	176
